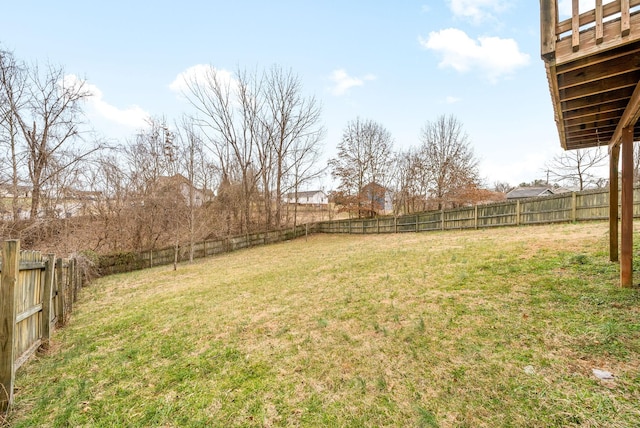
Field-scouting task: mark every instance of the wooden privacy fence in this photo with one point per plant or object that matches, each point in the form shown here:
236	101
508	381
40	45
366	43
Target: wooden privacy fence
36	294
127	262
566	207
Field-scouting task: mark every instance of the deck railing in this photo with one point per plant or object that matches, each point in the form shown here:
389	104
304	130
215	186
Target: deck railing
605	24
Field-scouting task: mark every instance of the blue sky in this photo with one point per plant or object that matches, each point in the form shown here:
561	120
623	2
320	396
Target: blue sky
399	63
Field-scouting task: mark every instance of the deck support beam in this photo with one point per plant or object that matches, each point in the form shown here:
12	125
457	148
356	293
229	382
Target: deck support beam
614	160
626	247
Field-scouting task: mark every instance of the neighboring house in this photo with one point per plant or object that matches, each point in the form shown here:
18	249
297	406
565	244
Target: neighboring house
530	192
23	195
316	198
378	197
76	203
185	187
6	191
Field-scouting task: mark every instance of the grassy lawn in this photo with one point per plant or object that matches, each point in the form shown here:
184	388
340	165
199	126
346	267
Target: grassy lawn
486	328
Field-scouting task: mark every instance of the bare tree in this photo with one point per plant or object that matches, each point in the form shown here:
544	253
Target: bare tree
294	131
194	164
147	161
364	156
502	187
414	178
448	155
302	166
230	116
12	99
49	122
576	167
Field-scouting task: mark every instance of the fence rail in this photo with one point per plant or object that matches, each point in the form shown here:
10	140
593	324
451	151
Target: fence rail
567	207
36	295
127	262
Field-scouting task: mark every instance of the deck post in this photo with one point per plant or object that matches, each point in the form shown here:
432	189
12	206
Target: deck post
8	284
548	21
614	160
626	247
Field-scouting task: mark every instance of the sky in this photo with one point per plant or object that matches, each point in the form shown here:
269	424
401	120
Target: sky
401	64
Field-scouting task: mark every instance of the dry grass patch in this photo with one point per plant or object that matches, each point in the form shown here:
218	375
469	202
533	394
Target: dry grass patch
473	328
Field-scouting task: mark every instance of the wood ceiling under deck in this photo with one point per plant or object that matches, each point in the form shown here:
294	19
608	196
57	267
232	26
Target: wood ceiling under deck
593	68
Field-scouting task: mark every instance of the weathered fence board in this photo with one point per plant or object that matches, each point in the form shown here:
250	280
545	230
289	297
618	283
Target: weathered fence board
32	301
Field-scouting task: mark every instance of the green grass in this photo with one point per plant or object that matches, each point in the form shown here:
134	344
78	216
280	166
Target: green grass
428	330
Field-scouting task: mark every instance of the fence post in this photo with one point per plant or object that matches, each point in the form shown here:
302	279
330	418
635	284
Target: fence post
442	217
8	283
395	224
72	279
378	225
518	212
475	217
574	206
47	294
61	294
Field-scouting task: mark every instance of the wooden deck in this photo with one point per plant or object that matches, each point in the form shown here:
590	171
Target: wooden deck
593	67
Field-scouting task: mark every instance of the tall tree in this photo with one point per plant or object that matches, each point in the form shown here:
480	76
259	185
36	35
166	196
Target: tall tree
577	167
256	124
293	128
230	110
49	123
448	155
148	158
365	155
12	99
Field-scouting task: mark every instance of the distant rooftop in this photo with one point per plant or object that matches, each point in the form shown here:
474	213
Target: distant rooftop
529	192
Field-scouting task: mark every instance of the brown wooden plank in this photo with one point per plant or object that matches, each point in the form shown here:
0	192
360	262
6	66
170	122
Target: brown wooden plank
612	38
629	117
575	25
61	293
548	20
626	246
8	284
597	58
599	28
555	98
619	95
589	16
596	120
625	21
587	129
603	70
628	80
47	295
601	108
614	160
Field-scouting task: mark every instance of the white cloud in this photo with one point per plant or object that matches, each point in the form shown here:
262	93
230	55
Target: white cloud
477	10
203	74
451	100
133	116
492	56
343	82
